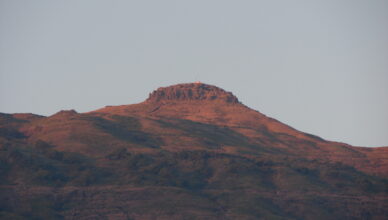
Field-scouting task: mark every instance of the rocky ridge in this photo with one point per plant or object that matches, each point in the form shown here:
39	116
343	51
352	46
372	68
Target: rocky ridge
190	150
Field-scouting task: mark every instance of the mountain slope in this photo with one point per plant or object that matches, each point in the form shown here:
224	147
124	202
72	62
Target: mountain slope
189	151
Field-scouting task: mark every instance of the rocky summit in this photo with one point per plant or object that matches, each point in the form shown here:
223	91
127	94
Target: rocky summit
190	151
192	91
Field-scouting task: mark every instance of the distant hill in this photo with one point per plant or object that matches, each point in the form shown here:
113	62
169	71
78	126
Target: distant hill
190	151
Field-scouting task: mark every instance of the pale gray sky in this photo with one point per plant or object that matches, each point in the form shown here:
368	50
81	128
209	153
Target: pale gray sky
320	66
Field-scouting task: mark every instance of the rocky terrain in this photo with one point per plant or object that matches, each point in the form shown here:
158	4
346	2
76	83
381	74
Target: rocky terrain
190	151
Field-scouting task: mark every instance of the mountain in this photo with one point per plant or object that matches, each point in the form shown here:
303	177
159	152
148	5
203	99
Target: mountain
190	151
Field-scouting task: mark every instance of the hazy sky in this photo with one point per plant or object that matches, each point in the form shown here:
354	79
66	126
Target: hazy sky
319	66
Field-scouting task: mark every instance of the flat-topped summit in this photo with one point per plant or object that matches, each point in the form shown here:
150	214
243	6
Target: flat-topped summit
191	92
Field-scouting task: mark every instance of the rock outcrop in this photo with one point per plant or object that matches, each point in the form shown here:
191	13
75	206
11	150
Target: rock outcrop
190	92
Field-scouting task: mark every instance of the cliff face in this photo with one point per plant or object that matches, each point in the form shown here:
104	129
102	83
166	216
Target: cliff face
190	92
188	150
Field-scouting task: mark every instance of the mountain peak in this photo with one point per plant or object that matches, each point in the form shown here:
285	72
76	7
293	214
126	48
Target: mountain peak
192	92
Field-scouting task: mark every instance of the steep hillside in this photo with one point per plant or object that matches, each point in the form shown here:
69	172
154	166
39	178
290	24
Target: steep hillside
190	151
